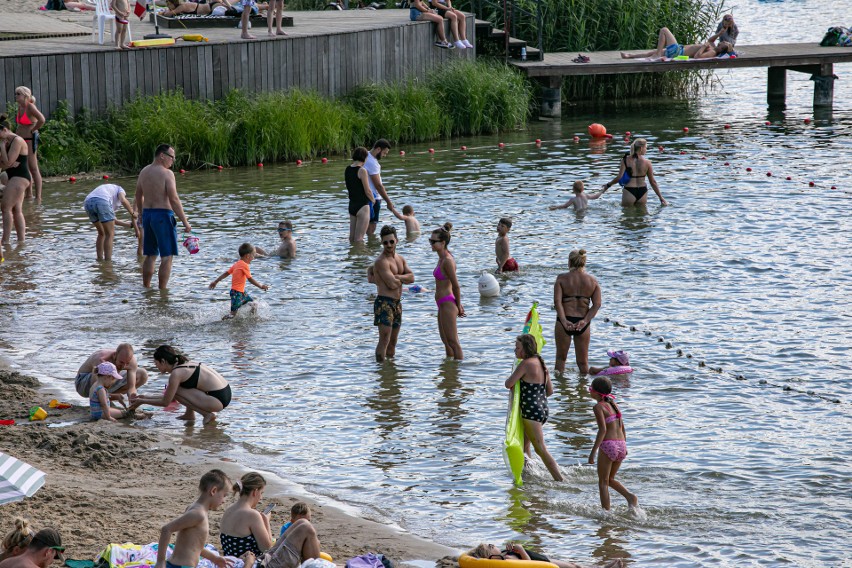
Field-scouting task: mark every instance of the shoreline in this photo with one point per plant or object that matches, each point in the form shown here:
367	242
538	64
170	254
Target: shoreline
104	485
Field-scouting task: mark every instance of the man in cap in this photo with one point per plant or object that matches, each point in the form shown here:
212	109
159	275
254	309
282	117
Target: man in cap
44	548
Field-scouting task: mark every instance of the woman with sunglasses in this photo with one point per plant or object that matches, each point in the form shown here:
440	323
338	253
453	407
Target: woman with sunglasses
447	292
29	120
726	31
517	552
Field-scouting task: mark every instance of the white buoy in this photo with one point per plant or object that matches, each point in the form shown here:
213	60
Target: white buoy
488	285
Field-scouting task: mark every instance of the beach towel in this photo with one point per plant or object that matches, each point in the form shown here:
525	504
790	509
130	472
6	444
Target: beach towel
129	555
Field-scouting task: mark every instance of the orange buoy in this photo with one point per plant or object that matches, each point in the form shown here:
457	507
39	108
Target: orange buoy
597	130
106	176
324	160
402	152
219	168
72	179
810	183
686	129
538	140
769	174
727	163
833	187
260	164
807	121
298	162
748	169
431	150
182	171
768	123
501	145
576	139
789	178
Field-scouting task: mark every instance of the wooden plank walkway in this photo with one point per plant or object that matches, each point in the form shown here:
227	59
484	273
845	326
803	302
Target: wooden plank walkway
328	52
611	63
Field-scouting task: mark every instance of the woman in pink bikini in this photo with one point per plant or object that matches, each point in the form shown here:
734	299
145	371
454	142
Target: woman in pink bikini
447	292
29	120
612	441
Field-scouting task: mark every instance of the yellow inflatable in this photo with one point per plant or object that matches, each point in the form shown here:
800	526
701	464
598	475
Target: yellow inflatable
466	561
325	556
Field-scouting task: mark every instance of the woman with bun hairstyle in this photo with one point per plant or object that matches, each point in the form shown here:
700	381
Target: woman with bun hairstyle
17	540
244	531
638	167
29	120
447	291
577	298
198	387
13	160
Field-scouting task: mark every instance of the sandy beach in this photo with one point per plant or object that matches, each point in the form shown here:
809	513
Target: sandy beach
115	483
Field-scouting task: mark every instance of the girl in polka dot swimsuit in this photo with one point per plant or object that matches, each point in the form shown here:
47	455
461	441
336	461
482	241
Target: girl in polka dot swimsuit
536	386
245	531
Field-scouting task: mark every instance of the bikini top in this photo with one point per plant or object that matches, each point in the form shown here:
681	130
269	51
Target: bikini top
192	381
629	170
23	119
612	418
437	272
566	298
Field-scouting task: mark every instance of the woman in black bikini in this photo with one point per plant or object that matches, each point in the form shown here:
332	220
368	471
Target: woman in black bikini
638	167
13	162
196	386
577	297
244	530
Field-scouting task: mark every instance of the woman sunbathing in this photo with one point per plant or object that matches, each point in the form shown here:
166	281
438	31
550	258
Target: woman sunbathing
516	552
669	48
177	7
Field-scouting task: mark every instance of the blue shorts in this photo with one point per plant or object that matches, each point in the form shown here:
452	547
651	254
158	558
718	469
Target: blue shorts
238	300
414	14
170	565
159	232
674	50
375	208
99	210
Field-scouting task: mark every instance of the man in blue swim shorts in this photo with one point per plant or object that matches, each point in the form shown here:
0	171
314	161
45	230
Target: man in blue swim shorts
669	48
374	171
157	198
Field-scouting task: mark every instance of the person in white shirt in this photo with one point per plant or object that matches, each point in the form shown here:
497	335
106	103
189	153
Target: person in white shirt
374	171
101	205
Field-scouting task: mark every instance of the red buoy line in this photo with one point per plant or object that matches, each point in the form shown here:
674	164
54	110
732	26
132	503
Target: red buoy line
701	363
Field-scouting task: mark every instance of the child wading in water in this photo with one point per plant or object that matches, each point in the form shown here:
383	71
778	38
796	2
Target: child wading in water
286	246
241	273
535	388
580	201
612	441
412	225
193	527
505	262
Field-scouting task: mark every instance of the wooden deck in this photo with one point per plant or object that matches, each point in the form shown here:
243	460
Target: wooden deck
611	63
329	52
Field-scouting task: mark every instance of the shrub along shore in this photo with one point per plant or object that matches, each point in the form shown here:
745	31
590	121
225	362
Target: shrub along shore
464	98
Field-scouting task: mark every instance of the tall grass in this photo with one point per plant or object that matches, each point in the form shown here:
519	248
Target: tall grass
457	99
582	26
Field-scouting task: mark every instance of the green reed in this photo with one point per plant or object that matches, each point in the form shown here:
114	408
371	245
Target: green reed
457	99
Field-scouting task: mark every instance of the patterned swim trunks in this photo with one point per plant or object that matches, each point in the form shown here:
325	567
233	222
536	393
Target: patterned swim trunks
387	311
238	300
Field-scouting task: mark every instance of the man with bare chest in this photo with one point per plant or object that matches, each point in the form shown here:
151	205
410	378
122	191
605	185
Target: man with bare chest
157	199
389	273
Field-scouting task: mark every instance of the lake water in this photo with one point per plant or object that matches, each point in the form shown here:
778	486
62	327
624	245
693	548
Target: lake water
744	275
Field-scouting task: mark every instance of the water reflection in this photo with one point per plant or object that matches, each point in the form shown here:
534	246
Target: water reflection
612	541
454	393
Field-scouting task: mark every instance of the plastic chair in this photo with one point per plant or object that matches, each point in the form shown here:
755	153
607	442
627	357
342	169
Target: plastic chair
102	14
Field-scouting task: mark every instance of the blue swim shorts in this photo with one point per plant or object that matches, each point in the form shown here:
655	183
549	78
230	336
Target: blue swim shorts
375	208
99	210
414	14
238	300
159	232
674	50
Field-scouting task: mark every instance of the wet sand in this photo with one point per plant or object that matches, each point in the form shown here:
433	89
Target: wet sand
117	482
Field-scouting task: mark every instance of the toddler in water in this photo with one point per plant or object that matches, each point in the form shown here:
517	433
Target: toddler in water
287	245
412	225
99	396
505	262
240	274
612	441
580	201
192	527
299	510
619	365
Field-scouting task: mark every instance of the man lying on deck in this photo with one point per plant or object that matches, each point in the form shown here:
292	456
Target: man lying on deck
669	48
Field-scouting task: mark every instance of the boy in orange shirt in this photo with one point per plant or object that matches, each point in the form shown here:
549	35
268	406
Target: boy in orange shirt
239	274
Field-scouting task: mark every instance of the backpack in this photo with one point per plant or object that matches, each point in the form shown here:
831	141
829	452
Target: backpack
369	560
832	37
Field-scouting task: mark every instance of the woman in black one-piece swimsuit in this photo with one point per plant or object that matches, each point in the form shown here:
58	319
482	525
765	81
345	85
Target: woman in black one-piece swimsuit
360	195
13	150
199	388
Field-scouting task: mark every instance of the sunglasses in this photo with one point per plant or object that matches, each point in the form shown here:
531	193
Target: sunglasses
390	242
172	156
283	229
433	241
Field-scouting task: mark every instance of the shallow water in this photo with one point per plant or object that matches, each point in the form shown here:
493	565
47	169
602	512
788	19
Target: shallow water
743	272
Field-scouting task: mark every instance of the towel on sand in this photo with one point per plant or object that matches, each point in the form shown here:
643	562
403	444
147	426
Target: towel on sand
129	555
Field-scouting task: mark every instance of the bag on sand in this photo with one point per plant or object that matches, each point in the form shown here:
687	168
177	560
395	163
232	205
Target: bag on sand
369	560
317	563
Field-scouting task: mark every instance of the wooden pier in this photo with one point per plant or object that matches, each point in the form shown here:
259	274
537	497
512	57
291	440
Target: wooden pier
328	52
804	58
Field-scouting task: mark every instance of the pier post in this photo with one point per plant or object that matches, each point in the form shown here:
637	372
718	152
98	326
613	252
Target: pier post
776	88
824	86
550	100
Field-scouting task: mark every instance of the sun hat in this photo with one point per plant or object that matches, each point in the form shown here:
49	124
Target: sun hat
620	356
107	368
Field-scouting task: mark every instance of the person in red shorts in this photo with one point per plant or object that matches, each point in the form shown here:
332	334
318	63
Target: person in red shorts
505	262
240	273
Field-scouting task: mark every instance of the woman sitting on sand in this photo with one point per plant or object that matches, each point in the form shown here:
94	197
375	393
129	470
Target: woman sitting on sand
245	531
517	552
669	48
196	386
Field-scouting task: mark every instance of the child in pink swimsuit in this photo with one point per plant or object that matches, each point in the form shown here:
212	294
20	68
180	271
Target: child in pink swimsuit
612	441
